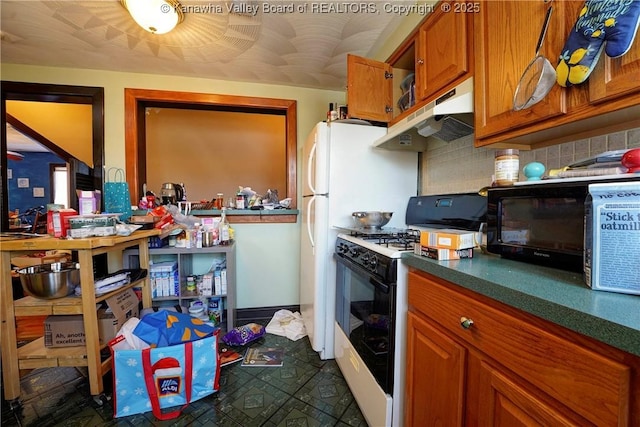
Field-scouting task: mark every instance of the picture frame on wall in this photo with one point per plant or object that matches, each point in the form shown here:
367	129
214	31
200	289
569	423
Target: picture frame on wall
23	182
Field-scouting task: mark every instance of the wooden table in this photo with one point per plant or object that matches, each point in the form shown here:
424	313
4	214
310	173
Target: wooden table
35	354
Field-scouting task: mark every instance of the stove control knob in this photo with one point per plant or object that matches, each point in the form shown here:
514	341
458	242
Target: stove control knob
354	251
373	262
342	248
365	257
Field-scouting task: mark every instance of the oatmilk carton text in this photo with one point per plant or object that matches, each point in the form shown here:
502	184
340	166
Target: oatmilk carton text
612	237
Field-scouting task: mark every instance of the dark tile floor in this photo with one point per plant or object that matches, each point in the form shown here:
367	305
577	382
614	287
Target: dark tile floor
305	391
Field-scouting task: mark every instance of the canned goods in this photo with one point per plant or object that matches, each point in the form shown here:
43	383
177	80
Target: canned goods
191	283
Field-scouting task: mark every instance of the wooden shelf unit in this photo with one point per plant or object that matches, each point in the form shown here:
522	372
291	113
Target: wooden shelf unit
35	354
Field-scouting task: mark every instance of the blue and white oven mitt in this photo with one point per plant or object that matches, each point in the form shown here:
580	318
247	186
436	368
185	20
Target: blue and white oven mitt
608	25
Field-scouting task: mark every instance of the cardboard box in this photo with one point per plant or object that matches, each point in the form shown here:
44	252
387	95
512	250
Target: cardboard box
68	330
612	237
88	202
64	331
447	238
443	254
58	222
122	307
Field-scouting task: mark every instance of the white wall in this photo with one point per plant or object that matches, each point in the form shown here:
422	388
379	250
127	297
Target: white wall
268	254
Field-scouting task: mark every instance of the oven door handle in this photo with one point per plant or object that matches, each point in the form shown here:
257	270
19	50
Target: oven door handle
383	287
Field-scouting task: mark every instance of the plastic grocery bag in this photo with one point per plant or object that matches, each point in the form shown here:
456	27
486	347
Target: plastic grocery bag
287	324
156	378
125	338
164	328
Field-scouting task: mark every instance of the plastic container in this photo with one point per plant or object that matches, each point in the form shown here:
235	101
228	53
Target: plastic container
507	166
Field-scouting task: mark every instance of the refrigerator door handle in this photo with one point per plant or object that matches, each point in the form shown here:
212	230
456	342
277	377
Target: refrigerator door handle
309	232
310	169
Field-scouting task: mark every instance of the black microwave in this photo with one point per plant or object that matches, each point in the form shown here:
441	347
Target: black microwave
541	222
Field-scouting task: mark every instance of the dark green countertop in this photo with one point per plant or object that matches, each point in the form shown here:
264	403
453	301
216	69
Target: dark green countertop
552	294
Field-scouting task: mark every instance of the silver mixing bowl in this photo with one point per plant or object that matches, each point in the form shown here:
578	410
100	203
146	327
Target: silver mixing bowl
372	219
49	281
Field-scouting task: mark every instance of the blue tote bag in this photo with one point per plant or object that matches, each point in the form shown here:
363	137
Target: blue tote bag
164	377
117	198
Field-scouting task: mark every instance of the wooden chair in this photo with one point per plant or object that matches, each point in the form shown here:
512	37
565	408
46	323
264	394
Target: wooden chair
40	223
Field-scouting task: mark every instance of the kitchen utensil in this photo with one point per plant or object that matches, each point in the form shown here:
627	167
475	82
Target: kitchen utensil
172	193
372	219
50	281
538	78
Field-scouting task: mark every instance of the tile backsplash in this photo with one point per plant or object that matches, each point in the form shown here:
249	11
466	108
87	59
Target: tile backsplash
458	167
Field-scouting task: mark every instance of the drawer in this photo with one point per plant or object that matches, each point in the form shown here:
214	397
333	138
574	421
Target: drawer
587	382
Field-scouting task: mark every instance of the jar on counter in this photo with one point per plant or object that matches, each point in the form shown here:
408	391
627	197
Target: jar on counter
240	201
219	202
507	166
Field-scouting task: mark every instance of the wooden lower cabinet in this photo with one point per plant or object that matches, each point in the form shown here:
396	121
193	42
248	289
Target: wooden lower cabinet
507	368
436	367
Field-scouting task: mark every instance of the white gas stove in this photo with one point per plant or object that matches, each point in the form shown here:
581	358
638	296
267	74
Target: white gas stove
371	300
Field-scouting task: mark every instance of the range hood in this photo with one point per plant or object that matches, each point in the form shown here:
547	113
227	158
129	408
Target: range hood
447	119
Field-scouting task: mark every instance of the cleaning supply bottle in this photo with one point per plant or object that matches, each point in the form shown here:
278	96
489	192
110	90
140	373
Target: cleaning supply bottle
224	228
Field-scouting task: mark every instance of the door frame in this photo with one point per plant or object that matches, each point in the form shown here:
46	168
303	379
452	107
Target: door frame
43	92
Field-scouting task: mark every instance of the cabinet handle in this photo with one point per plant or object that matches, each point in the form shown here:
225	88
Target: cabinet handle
420	61
466	323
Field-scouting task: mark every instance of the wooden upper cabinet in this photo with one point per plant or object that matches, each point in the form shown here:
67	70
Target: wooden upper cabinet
615	77
608	101
506	35
369	89
444	49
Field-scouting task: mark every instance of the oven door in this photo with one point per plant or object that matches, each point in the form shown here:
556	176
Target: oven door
365	312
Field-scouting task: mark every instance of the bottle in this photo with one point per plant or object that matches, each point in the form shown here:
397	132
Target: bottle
219	201
224	228
507	165
198	233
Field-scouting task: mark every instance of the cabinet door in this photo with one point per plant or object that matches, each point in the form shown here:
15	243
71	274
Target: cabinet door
443	49
506	35
614	77
435	376
369	89
507	403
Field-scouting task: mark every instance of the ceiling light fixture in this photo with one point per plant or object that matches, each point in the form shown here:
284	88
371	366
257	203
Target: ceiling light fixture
155	16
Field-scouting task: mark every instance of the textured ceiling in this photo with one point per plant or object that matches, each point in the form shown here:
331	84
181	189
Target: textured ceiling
298	49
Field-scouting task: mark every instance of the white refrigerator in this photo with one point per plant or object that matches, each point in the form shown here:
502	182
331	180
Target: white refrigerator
342	173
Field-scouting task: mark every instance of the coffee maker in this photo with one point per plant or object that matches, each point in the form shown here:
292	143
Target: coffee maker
172	193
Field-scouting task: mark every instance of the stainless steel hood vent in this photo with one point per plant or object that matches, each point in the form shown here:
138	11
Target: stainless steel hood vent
447	119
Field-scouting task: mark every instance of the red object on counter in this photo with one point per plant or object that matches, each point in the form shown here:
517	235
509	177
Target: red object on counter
159	211
58	222
164	221
631	160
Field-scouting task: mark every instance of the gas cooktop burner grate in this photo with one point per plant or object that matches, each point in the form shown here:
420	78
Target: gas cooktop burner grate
397	238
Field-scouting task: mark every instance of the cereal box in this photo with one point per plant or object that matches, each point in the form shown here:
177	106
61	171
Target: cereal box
612	237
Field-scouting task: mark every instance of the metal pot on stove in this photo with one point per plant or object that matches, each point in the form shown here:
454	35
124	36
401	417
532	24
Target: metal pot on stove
372	219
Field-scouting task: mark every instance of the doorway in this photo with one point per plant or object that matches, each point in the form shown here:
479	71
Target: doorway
81	175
